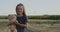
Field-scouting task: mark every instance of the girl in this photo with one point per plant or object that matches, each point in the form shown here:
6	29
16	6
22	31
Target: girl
21	23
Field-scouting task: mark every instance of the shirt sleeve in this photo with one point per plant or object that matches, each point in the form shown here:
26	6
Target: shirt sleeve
25	20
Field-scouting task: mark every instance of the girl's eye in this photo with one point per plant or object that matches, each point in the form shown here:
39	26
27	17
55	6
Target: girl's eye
20	8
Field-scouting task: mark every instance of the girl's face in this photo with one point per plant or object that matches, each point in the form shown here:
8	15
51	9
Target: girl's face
19	10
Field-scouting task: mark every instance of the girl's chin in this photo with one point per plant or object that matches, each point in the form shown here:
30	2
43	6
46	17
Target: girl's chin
19	14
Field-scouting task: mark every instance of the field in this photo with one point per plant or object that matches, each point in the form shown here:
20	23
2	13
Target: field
36	25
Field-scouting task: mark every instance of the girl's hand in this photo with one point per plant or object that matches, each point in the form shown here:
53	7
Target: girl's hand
16	22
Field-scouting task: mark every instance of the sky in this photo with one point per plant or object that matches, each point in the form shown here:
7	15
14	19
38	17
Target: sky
32	7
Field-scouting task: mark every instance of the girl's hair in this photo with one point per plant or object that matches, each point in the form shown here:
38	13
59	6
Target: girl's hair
20	4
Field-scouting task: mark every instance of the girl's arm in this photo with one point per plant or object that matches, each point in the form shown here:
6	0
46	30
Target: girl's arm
22	25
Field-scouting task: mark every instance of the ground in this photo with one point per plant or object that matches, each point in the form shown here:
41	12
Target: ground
34	26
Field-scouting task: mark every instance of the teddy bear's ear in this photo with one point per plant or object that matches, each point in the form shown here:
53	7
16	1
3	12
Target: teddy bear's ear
8	15
15	15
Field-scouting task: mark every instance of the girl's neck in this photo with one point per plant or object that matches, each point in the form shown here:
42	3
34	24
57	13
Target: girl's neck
19	15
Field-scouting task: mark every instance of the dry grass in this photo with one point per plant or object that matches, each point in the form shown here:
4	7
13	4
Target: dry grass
34	26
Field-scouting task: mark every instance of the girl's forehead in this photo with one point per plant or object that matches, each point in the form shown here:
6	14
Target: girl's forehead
20	7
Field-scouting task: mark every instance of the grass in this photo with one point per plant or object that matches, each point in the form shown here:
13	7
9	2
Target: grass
36	25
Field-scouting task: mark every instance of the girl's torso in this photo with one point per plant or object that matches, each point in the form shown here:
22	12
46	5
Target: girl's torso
21	20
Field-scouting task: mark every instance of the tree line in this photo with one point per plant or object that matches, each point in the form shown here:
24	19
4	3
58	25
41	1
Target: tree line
52	17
